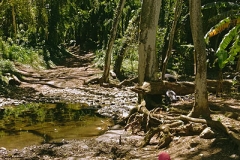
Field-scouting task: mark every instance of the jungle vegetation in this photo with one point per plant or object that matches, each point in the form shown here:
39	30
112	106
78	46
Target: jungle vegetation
38	33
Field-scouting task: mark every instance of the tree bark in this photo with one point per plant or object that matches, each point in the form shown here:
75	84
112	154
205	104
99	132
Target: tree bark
147	65
14	20
105	77
200	107
178	8
238	64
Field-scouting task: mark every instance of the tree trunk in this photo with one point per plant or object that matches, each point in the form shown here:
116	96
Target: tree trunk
178	8
119	60
200	107
165	23
131	31
238	64
105	77
14	21
53	24
147	64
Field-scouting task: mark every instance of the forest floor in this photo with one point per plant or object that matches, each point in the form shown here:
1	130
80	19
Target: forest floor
55	84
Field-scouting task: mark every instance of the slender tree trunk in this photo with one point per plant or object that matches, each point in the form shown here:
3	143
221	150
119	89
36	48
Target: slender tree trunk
119	60
219	89
238	64
14	21
165	23
177	14
131	31
147	64
200	107
53	40
105	77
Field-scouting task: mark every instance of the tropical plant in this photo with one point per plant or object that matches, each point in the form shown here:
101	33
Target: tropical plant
229	28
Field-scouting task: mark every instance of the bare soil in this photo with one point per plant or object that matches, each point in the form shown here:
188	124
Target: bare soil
117	143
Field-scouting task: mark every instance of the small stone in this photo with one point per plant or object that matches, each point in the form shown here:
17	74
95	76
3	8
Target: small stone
192	150
207	133
234	156
3	148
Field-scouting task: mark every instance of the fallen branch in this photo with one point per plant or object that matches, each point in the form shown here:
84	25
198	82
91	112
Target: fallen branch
98	80
181	88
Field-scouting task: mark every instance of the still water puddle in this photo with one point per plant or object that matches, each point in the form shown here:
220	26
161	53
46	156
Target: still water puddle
33	124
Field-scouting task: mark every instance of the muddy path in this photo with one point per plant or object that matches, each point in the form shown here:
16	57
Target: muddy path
65	83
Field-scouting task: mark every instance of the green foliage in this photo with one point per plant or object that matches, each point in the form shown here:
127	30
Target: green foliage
227	29
160	38
126	44
218	28
47	24
223	55
13	52
37	112
221	26
6	66
182	60
220	10
16	112
99	58
130	63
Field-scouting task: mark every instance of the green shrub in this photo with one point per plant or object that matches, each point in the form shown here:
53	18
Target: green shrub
6	66
24	55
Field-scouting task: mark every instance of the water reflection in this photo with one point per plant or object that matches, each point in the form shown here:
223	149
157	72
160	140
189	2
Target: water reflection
31	124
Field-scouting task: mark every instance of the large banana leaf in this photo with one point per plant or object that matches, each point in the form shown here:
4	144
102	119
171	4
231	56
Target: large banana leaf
218	28
222	57
235	49
222	54
221	26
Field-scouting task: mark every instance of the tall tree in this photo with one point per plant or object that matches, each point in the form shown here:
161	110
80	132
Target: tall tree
178	8
111	40
147	64
129	35
200	107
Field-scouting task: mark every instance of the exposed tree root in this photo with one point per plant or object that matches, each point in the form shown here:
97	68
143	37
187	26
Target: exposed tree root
95	80
158	122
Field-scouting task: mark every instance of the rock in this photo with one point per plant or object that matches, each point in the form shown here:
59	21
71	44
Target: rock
14	81
170	78
113	74
207	133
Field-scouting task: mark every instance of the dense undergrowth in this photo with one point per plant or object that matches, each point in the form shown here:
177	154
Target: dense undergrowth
12	54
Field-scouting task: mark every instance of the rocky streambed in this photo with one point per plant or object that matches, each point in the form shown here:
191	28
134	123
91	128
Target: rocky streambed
111	102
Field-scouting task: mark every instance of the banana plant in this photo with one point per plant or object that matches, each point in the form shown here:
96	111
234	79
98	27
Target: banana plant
231	38
229	47
228	17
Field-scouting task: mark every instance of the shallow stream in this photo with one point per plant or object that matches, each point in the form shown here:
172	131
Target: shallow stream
35	123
